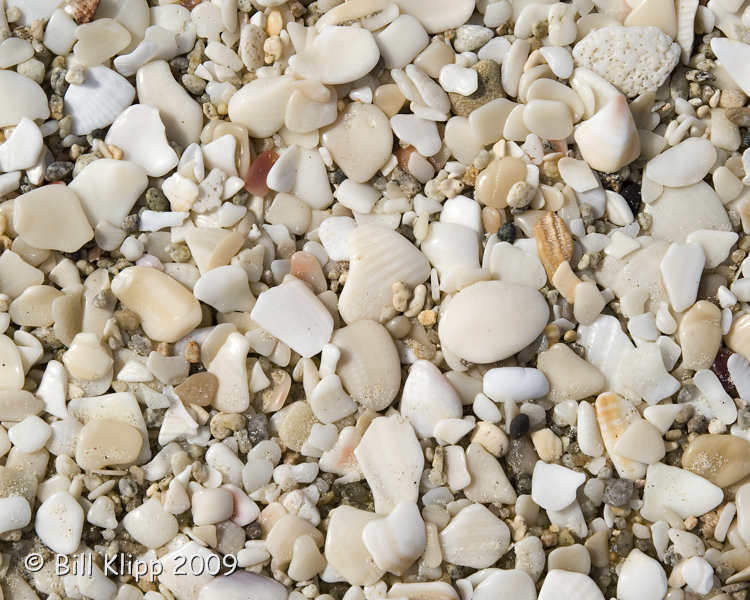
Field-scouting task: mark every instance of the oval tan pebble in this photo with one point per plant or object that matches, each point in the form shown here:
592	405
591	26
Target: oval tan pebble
296	423
700	335
722	459
494	182
369	367
492	320
166	308
199	388
104	442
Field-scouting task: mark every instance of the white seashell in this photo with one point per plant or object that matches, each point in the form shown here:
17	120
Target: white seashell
662	416
21	97
108	189
336	55
516	384
553	487
674	489
391	460
401	41
559	60
329	402
451	248
642	374
427	398
508	316
22	148
398	540
98	101
344	549
614	415
698	575
184	586
438	15
474	538
225	288
139	132
588	436
686	12
621	145
421	134
606	345
369	365
684	164
569	585
379	258
293	314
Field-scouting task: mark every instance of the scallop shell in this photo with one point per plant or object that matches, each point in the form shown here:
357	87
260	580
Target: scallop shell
98	100
614	414
379	258
368	366
391	460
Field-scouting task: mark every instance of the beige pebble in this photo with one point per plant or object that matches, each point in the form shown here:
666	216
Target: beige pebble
722	459
50	217
345	550
283	533
738	338
149	524
389	99
211	505
105	442
547	445
570	558
699	333
570	376
589	303
199	389
491	438
307	560
33	308
166	308
296	424
566	281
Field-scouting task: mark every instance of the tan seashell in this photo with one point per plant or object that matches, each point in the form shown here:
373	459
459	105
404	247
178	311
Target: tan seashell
700	335
553	242
82	11
615	414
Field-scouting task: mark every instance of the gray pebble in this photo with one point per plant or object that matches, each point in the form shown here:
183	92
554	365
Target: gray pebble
617	492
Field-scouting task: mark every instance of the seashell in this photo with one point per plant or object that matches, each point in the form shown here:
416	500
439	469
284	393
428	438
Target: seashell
427	398
615	414
554	242
391	460
553	487
674	489
474	538
569	585
21	97
398	540
98	101
633	59
620	145
379	258
369	366
606	344
82	11
686	11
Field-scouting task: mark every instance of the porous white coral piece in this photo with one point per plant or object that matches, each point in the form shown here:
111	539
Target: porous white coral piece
633	59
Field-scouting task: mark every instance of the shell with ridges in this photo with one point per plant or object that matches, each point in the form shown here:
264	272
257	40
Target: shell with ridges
615	414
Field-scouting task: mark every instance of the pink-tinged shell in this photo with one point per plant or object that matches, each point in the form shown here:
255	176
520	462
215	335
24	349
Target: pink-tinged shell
614	415
306	267
82	11
245	510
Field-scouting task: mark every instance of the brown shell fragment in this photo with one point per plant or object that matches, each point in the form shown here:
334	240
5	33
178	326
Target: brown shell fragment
554	243
82	11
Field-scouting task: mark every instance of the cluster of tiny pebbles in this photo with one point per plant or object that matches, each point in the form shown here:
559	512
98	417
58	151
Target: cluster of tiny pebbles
374	299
